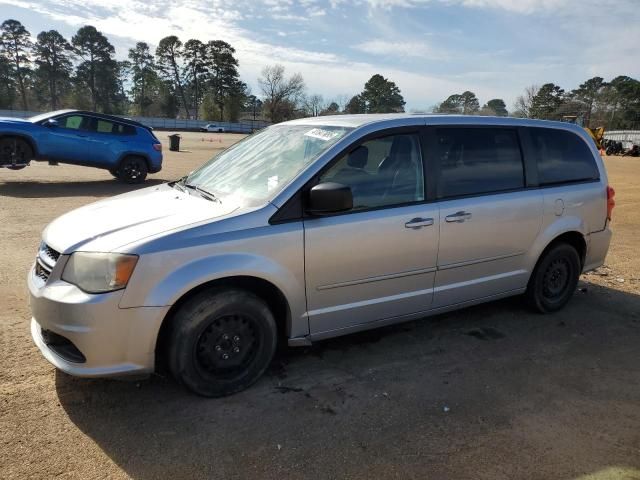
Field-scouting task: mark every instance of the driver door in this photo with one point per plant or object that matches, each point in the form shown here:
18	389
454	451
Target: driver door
378	260
68	141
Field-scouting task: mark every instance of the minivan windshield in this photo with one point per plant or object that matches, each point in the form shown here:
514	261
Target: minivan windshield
261	165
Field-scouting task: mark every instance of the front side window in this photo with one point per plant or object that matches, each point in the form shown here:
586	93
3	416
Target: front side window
562	157
260	166
381	172
474	161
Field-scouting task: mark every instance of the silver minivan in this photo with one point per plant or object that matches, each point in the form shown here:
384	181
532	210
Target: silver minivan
316	228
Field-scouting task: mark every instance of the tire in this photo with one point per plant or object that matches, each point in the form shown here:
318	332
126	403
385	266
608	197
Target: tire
114	173
15	153
554	280
214	324
132	170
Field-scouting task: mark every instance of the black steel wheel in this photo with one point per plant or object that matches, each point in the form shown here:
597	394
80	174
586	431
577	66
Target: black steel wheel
554	279
15	153
221	341
132	170
227	346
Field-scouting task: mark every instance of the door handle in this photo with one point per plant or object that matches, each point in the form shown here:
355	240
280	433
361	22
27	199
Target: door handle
416	223
458	217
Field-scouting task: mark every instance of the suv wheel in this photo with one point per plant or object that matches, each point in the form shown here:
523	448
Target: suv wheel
132	170
554	279
221	342
15	153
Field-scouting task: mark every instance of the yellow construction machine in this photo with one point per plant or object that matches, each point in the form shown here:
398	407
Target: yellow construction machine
596	133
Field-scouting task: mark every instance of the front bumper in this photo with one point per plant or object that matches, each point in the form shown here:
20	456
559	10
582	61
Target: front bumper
114	341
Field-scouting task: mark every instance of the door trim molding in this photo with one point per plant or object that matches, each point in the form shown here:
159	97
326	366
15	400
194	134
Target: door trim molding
481	260
366	303
377	278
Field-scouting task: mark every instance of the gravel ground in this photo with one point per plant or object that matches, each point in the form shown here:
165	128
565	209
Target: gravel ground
490	392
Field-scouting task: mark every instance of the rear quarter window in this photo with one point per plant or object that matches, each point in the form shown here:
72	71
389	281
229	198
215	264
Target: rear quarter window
562	157
105	126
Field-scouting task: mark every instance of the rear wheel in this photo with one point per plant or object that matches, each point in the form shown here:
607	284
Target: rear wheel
554	279
221	342
132	170
15	153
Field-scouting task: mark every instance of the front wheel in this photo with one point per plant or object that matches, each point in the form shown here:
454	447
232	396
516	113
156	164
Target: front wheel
132	170
554	279
221	342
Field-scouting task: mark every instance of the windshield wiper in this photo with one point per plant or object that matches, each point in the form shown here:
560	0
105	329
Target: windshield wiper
179	184
203	193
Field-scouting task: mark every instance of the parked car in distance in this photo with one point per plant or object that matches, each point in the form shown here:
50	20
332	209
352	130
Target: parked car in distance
213	127
128	149
316	228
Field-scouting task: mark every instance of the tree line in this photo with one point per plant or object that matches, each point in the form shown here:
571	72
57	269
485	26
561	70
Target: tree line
595	103
193	79
200	80
613	105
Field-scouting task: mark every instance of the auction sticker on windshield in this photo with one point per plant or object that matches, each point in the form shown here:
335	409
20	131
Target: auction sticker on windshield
322	134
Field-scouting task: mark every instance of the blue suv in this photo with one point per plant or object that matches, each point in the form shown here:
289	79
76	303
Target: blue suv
128	149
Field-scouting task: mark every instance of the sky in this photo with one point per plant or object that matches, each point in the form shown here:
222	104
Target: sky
429	48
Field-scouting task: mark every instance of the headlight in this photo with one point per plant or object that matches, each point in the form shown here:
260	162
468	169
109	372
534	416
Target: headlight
99	272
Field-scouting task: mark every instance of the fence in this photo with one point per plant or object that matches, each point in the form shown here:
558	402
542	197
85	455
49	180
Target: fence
625	136
246	126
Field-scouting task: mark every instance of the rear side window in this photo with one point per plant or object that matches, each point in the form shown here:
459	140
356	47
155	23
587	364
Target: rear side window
474	161
562	157
105	126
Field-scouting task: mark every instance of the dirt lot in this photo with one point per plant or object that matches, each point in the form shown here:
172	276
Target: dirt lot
491	392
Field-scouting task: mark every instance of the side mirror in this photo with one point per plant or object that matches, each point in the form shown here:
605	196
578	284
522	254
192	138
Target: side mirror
52	122
326	198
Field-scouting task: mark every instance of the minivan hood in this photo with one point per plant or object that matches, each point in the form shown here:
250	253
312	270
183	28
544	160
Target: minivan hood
108	224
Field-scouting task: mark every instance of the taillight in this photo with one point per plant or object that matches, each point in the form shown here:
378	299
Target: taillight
157	147
611	202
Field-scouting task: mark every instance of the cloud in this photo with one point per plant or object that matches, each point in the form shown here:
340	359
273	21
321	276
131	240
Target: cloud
405	49
339	51
289	17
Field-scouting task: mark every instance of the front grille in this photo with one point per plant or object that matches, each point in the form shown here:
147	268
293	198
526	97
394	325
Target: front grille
51	253
62	346
41	273
45	261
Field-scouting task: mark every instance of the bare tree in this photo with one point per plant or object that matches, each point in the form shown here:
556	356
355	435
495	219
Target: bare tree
314	104
281	94
342	101
522	107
